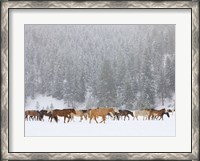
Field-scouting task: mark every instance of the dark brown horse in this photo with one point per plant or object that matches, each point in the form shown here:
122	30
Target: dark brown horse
47	113
125	113
66	113
117	115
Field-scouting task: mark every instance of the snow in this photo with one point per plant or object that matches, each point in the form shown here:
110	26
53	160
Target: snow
44	101
130	127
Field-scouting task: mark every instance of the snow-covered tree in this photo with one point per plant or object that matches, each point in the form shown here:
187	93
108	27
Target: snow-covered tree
106	88
37	105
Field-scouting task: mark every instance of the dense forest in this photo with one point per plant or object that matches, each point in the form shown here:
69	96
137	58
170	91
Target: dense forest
128	66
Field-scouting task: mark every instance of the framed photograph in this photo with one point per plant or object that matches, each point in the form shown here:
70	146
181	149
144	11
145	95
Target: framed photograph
99	80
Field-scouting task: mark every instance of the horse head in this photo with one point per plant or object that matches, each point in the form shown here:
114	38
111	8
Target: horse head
167	113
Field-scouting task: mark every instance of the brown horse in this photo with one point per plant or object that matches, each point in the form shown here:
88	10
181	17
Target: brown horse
155	114
63	113
125	113
102	112
31	114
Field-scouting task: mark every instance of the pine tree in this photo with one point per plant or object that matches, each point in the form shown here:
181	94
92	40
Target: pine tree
169	78
51	107
47	108
148	80
106	92
162	86
128	92
82	88
37	105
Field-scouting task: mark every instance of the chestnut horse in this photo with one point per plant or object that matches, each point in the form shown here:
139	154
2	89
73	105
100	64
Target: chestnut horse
63	113
103	112
155	114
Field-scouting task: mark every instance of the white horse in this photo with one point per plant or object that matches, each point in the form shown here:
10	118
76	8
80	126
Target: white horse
143	113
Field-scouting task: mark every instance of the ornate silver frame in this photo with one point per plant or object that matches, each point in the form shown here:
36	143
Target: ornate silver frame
6	5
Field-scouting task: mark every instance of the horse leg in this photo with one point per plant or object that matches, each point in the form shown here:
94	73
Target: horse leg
95	118
69	117
85	116
64	118
90	116
31	118
81	118
161	117
117	117
103	119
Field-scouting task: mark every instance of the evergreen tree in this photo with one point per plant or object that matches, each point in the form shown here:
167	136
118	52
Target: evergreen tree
51	107
82	89
106	92
148	80
169	78
37	105
128	92
162	86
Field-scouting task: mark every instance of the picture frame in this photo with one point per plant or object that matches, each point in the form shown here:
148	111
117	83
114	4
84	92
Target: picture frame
8	6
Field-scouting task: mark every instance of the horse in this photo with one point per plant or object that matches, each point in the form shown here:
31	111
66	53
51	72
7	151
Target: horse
48	113
102	112
63	113
155	114
170	110
116	115
32	114
125	113
143	113
81	114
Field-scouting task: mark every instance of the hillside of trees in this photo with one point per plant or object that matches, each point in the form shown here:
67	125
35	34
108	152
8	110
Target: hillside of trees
119	65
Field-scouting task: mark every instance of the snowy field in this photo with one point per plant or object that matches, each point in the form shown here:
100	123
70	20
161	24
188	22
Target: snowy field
130	127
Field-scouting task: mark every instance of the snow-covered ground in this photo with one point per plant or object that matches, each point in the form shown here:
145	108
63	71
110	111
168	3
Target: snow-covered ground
44	102
130	127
